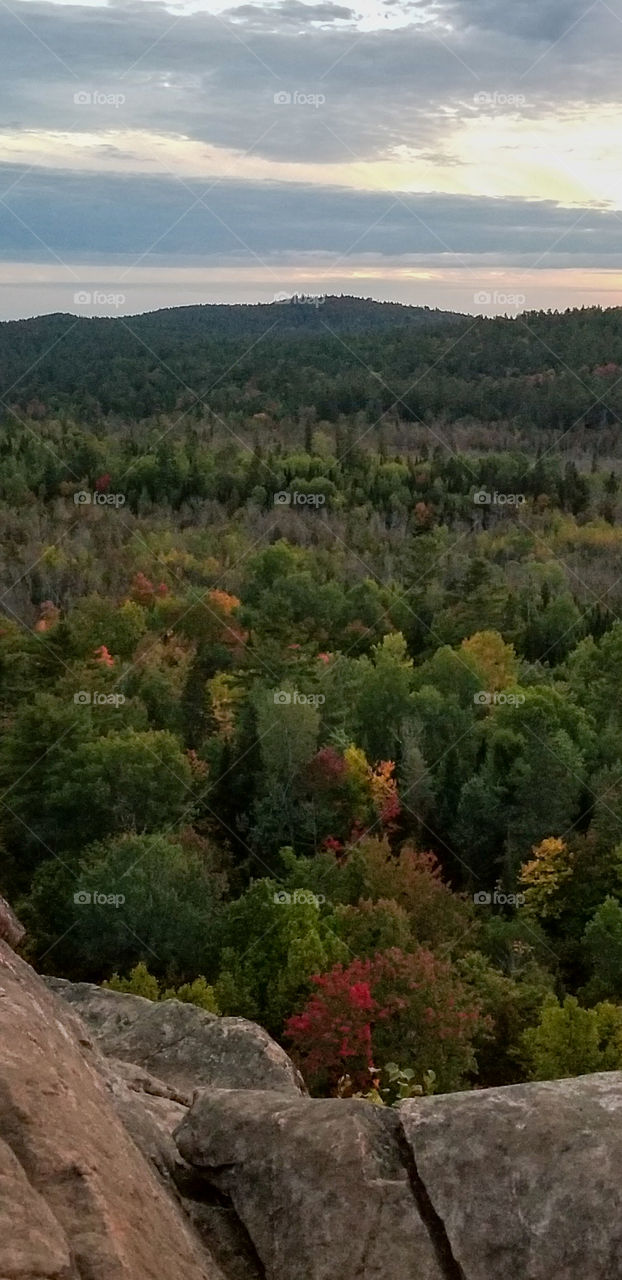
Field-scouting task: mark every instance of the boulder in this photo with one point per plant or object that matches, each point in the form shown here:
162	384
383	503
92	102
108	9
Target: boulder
151	1111
187	1047
519	1181
83	1203
526	1178
320	1185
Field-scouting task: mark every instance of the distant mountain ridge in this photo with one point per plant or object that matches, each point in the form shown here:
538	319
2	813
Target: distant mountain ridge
60	358
296	313
337	355
300	313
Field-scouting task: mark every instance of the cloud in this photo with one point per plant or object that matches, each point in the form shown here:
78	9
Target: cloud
547	22
47	215
213	78
315	103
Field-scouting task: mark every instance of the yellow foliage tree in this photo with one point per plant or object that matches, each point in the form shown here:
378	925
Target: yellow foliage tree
357	765
495	659
383	788
225	696
543	876
376	787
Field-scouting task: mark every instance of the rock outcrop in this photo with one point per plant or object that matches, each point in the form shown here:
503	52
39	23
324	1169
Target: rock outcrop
185	1046
156	1056
526	1179
78	1200
320	1186
11	929
153	1140
520	1181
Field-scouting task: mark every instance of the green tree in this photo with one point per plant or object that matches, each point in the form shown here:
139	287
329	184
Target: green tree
287	733
602	941
532	776
42	744
198	992
95	621
140	983
571	1041
281	938
134	781
510	1005
132	898
373	926
382	697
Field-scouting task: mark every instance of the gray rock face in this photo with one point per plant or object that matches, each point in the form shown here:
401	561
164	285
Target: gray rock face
517	1182
187	1047
320	1186
526	1179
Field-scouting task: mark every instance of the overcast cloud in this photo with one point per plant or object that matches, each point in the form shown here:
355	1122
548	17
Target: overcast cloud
470	129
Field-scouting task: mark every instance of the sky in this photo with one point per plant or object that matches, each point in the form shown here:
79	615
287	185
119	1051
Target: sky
463	154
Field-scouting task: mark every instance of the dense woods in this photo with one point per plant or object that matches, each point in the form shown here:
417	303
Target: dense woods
310	655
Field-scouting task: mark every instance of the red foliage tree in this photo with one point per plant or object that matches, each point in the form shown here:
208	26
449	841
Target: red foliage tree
142	590
50	615
103	657
332	845
327	768
408	1008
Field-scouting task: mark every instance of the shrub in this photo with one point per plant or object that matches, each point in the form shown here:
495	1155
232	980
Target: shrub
143	983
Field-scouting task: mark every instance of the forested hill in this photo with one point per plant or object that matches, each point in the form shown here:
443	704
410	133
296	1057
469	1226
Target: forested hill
299	315
340	356
56	354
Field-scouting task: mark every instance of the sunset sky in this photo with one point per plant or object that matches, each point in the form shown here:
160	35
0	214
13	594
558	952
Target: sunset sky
462	155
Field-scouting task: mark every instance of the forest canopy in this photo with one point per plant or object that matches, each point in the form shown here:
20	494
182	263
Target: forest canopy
310	664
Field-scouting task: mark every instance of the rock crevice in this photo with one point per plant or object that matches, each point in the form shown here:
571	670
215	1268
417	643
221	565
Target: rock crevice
449	1266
